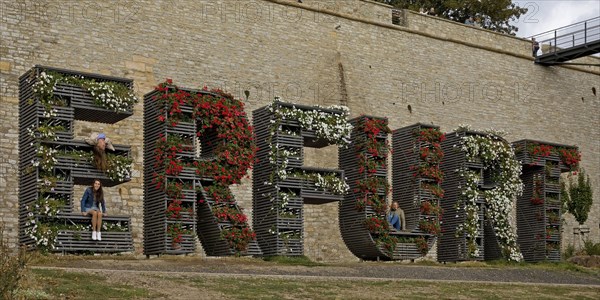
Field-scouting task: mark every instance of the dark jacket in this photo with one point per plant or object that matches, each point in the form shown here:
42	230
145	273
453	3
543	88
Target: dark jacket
87	201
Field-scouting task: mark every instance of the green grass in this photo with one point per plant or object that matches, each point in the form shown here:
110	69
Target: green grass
292	261
273	288
38	258
546	265
52	284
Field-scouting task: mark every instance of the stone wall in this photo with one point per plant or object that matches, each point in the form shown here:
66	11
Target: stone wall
316	52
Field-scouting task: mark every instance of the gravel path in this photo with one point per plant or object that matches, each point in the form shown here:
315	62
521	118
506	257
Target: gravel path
363	270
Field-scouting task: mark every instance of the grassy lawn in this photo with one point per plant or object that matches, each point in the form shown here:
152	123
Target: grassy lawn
271	288
53	284
58	284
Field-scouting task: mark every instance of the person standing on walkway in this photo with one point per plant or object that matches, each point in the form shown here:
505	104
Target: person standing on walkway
469	21
535	46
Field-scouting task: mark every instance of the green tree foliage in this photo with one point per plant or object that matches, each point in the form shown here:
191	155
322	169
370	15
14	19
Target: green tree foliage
493	14
579	199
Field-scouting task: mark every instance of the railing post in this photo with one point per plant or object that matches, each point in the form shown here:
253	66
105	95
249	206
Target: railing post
585	32
573	40
554	40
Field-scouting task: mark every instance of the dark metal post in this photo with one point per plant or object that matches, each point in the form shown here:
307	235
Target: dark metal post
585	32
555	41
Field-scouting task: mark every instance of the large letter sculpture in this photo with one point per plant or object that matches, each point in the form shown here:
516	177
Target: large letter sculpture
481	183
417	181
281	183
183	189
51	161
539	208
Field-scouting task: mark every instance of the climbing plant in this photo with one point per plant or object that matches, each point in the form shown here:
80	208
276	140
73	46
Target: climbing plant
498	155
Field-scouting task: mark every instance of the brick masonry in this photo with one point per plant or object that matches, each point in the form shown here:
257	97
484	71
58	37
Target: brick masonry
319	52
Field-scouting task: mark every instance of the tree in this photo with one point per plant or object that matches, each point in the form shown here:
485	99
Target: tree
494	14
579	199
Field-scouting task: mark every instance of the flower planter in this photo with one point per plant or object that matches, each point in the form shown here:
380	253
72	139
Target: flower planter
292	162
552	187
295	203
292	182
554	172
68	162
552	221
187	244
188	109
320	194
288	140
187	217
62	187
188	194
554	237
79	241
290	122
552	202
407	251
64	113
187	155
289	223
183	128
83	172
64	136
475	164
85	107
526	158
188	173
563	168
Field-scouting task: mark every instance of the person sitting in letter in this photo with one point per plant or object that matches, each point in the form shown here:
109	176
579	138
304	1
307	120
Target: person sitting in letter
396	216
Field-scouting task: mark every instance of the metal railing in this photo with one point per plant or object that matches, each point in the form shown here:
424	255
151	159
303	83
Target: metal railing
569	36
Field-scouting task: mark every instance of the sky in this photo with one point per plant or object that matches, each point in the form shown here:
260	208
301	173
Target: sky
545	15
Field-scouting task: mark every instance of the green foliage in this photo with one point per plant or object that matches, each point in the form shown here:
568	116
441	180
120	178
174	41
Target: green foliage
12	267
494	14
568	252
580	193
590	248
565	199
